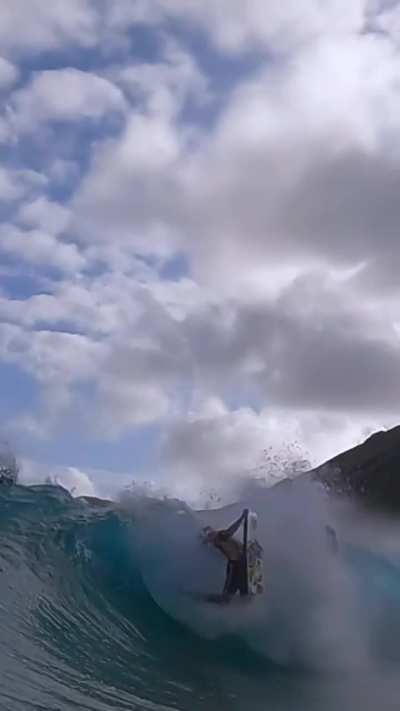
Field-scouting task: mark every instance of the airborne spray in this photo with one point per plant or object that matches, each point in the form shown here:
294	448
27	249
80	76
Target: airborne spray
93	603
310	614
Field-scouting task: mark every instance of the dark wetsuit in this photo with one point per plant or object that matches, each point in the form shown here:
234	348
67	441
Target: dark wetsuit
236	574
236	578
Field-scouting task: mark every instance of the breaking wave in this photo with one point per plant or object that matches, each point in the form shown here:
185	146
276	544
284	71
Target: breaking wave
94	610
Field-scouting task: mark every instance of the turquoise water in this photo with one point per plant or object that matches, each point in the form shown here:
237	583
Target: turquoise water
94	613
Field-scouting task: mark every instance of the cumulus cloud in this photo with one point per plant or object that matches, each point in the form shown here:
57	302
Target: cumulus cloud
131	189
32	29
293	170
52	357
18	184
213	445
228	261
10	188
215	449
102	306
8	74
132	352
387	19
144	369
163	88
44	214
290	190
125	405
236	27
39	26
289	173
40	248
311	349
64	95
60	363
76	481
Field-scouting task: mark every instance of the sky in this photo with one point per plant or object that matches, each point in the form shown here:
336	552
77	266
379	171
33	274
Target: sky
199	248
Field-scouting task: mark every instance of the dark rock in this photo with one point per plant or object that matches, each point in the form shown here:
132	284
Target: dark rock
369	472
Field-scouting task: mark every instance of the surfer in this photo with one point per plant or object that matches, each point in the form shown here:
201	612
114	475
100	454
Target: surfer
233	551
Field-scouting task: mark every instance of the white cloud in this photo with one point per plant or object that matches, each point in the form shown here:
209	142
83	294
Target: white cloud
233	26
135	359
113	305
122	405
64	95
76	481
214	445
236	26
122	14
215	449
45	215
10	187
32	179
134	178
40	248
146	364
291	177
133	368
283	209
16	184
293	170
387	20
39	25
131	188
151	348
100	306
8	74
30	29
162	88
53	358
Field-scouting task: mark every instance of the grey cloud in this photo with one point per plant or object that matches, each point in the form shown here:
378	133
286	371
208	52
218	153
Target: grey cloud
347	208
215	448
301	169
39	26
235	27
321	369
211	447
307	189
146	367
304	357
344	210
313	348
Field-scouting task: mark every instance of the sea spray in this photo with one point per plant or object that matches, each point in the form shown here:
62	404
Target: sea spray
94	612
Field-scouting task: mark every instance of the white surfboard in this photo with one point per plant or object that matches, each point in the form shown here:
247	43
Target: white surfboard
254	552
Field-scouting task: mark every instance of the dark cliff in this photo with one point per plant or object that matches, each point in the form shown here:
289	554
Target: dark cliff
369	472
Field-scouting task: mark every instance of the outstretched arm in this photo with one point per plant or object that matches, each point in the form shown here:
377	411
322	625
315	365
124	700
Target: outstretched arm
229	532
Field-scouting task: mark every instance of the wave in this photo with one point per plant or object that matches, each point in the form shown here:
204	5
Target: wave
94	610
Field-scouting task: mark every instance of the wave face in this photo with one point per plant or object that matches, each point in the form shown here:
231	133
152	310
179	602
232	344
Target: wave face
95	615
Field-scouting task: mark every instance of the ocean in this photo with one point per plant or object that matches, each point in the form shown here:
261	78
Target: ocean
96	612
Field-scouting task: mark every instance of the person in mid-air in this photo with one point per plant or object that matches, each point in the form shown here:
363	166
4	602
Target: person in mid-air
236	573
